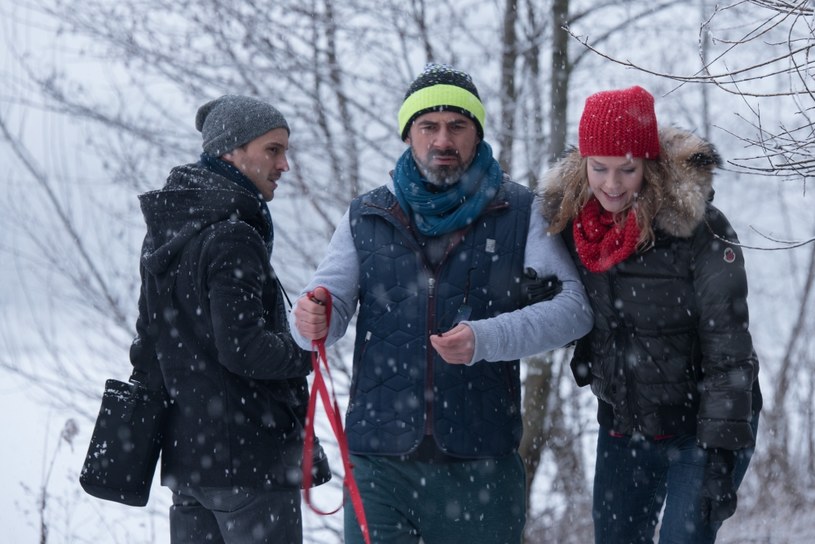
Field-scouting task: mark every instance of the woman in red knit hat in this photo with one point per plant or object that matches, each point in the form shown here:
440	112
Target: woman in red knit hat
670	357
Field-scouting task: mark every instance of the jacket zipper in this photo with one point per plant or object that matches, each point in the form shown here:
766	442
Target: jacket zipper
428	377
401	221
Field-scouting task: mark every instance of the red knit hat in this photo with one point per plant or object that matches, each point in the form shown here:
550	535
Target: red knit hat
619	123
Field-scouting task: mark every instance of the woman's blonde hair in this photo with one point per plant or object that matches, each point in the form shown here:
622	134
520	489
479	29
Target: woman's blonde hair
576	193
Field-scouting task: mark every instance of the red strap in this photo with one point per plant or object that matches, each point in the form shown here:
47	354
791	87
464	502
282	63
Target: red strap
332	410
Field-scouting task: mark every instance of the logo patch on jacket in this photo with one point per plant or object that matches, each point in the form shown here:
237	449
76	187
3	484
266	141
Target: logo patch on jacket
729	255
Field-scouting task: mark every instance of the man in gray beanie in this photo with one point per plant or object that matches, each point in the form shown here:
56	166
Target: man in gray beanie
231	121
212	327
249	135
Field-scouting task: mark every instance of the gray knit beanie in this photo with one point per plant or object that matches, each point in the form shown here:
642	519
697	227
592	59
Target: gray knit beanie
230	121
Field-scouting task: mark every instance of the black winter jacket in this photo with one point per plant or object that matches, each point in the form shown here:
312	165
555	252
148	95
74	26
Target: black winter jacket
211	315
670	352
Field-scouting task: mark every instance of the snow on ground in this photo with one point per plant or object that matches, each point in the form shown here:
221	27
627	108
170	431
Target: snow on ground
32	433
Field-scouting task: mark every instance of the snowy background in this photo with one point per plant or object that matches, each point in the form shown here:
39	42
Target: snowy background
97	101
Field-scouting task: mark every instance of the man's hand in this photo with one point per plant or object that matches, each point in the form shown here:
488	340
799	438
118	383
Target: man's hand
455	346
718	490
535	289
309	315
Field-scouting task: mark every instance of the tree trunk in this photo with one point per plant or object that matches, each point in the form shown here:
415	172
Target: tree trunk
537	390
561	68
506	130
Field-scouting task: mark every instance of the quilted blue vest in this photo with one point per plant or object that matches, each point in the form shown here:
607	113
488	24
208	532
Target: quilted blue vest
401	389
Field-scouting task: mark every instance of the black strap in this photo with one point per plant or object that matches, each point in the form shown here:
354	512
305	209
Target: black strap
285	294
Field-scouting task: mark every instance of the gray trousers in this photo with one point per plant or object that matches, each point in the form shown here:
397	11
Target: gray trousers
236	516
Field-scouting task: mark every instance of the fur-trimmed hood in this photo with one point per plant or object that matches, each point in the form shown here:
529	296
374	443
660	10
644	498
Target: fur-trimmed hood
686	166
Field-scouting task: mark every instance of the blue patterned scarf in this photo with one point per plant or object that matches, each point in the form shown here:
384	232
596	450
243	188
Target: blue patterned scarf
441	212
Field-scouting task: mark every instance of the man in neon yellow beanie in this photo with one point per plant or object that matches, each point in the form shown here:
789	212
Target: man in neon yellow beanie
435	264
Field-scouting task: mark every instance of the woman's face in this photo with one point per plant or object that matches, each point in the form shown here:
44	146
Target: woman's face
615	181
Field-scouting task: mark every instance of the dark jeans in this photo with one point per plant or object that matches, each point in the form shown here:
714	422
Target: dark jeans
635	476
463	502
236	516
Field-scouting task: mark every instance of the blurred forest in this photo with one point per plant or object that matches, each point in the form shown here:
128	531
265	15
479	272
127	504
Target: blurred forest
97	102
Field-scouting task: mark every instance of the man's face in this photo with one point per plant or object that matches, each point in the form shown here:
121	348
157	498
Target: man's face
443	145
263	160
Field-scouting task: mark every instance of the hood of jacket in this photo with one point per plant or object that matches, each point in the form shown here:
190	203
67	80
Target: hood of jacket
193	199
686	164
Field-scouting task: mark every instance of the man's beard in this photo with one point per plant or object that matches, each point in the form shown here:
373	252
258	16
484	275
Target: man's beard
441	176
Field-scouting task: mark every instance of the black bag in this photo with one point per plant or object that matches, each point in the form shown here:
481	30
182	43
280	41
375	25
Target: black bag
125	444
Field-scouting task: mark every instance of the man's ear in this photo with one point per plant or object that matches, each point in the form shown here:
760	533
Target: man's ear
229	157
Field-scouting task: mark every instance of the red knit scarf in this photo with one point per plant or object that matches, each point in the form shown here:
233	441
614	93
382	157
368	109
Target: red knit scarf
600	242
